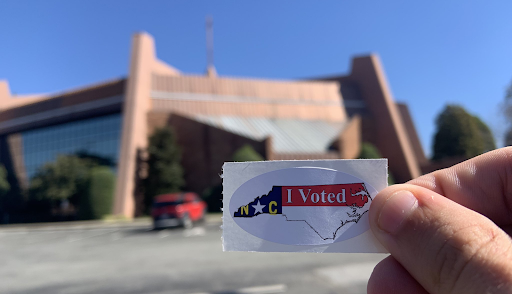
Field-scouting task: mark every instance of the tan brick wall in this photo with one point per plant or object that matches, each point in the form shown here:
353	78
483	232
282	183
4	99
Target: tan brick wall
412	134
248	98
382	124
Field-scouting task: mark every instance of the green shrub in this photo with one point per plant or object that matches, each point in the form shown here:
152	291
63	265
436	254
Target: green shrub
247	153
98	200
369	151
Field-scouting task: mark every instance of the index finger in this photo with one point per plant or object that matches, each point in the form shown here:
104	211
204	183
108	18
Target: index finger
483	184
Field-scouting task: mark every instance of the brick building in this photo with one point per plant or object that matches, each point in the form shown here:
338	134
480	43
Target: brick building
324	118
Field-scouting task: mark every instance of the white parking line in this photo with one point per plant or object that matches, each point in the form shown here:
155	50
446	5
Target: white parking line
197	231
71	239
163	234
278	288
347	275
269	289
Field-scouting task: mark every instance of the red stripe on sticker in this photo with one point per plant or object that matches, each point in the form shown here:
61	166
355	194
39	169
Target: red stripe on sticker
325	195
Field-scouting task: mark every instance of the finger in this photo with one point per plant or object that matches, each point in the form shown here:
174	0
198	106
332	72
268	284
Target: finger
390	277
446	247
483	184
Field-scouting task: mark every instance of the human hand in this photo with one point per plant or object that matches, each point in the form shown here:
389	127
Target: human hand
448	231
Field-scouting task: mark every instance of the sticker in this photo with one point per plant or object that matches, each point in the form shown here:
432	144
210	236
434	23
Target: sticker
306	206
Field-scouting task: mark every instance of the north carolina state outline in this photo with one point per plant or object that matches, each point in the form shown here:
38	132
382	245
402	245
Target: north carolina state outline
315	205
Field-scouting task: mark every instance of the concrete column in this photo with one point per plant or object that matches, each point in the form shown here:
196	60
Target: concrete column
391	136
134	134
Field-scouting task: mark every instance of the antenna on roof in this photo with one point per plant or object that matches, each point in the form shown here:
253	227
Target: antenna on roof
210	68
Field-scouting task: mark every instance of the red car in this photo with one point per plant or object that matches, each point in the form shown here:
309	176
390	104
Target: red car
177	209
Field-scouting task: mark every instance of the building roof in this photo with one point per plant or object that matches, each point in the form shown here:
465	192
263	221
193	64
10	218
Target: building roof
288	135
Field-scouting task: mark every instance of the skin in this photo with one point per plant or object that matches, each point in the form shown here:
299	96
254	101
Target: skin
447	231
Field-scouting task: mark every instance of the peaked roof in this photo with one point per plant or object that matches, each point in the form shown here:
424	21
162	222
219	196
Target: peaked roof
288	135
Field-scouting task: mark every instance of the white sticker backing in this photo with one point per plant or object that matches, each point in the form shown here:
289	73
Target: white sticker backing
301	206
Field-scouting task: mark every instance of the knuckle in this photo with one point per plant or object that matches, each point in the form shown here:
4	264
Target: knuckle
461	251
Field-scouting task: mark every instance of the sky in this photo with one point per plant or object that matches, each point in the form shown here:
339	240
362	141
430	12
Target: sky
433	52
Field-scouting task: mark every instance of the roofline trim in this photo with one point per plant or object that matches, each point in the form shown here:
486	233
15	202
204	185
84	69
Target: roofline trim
182	96
16	122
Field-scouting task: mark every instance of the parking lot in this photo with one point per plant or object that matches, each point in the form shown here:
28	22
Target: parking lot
135	259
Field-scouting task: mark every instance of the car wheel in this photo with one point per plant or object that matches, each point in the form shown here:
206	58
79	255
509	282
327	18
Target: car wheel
186	222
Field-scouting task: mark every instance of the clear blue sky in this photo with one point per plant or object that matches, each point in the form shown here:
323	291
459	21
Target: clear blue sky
434	52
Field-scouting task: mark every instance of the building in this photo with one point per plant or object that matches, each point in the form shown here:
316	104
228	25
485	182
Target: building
324	118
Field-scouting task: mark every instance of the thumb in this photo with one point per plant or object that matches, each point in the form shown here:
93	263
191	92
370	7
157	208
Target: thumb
446	247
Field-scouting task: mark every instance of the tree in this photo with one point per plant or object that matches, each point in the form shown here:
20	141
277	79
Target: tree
508	114
486	134
247	153
64	179
97	201
458	134
165	174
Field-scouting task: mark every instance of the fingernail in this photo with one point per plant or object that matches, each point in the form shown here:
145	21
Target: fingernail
395	210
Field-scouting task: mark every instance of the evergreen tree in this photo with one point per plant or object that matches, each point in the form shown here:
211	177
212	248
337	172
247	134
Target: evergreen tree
458	134
165	174
486	134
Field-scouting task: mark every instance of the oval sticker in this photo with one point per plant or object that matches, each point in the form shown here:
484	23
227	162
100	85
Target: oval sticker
303	206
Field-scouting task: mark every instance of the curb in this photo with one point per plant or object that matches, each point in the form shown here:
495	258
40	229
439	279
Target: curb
211	219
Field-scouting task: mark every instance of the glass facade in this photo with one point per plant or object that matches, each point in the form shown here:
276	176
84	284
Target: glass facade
99	136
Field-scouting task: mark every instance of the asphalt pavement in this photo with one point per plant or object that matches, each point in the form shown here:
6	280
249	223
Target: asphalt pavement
131	258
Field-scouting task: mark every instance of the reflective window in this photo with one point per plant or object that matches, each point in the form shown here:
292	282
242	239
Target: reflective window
99	136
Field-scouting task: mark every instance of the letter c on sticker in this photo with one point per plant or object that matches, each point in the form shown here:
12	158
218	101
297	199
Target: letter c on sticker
270	210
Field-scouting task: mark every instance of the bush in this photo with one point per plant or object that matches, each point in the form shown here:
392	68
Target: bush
247	153
369	151
98	200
